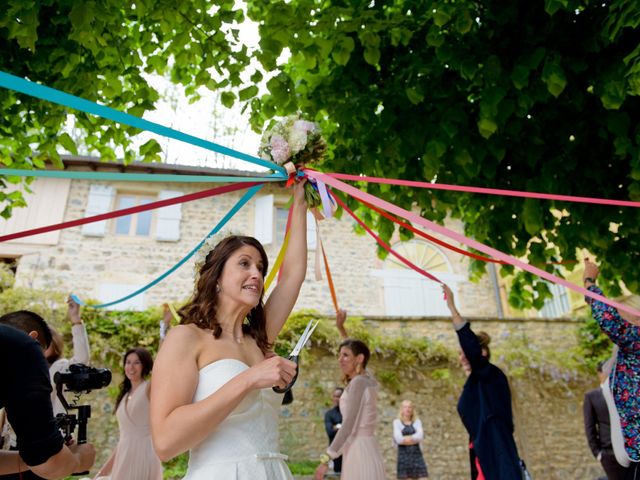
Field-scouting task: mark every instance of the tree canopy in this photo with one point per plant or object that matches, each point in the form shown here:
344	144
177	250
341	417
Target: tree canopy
536	96
524	95
100	50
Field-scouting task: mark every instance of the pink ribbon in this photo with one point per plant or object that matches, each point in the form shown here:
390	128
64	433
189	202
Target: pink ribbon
487	191
384	245
348	189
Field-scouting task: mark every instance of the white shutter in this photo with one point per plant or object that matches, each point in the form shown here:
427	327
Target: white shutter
108	292
168	219
99	201
263	230
311	231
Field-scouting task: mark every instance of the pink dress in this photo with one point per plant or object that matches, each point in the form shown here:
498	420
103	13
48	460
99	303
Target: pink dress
135	456
355	440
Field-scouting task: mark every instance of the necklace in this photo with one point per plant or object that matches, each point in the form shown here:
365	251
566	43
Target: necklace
236	338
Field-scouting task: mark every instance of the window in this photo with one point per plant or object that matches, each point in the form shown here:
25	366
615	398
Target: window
281	224
138	225
271	223
406	292
558	304
108	292
104	198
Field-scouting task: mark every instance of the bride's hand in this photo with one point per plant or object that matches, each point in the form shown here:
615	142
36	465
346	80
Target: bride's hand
298	192
272	372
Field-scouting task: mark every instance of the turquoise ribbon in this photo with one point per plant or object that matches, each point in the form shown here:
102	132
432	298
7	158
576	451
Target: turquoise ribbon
56	96
245	198
135	177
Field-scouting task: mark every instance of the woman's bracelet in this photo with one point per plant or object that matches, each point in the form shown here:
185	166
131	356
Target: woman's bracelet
324	459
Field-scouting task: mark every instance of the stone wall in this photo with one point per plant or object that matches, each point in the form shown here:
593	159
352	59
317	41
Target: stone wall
548	421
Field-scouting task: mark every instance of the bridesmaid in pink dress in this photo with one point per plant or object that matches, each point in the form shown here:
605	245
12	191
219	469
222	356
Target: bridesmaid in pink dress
134	456
355	439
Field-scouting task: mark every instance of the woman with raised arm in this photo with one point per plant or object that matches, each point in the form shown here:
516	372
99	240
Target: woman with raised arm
212	385
355	440
484	405
622	387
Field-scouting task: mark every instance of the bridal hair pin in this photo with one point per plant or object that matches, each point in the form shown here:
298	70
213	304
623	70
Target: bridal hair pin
209	243
295	354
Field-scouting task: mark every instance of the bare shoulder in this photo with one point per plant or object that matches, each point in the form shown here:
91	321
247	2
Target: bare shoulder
183	340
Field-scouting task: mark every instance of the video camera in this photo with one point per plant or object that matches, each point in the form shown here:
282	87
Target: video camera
78	379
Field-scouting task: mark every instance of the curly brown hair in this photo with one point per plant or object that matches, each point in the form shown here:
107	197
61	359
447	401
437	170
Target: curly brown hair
201	308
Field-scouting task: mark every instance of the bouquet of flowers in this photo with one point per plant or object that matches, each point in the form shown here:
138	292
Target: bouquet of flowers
296	141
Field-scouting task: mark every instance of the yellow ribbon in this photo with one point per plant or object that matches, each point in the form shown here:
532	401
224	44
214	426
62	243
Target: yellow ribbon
277	264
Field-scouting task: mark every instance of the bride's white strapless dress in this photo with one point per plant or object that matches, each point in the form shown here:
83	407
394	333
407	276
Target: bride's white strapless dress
245	446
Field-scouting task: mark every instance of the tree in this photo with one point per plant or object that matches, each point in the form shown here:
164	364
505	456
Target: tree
536	96
525	95
100	50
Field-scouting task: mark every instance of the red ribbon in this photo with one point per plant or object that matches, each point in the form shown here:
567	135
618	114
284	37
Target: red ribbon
129	211
385	245
445	244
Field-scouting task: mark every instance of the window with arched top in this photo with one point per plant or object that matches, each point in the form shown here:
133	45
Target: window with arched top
408	293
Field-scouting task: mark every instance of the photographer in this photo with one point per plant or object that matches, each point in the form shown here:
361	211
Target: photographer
25	390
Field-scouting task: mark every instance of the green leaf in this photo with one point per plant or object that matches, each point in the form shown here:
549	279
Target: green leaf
150	150
532	216
613	94
67	143
464	22
247	93
82	14
414	95
441	17
554	77
372	55
487	127
227	99
520	76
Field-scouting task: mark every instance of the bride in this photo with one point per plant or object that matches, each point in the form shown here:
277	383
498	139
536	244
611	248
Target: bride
213	377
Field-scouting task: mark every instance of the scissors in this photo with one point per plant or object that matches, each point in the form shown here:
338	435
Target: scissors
295	353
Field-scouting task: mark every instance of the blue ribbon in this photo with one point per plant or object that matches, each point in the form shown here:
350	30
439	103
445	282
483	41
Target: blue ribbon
245	198
56	96
136	177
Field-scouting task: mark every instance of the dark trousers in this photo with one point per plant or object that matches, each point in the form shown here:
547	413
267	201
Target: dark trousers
633	472
612	468
337	464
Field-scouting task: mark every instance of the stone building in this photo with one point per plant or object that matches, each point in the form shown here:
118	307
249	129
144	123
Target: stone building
107	260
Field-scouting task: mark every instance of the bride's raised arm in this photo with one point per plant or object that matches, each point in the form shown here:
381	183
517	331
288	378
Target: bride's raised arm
294	268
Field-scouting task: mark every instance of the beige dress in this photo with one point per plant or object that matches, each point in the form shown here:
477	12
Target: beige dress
355	440
135	456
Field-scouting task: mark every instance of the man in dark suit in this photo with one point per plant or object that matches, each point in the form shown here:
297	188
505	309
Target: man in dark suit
598	430
333	422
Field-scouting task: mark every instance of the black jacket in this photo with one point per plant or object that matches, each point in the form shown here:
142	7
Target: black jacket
485	410
596	421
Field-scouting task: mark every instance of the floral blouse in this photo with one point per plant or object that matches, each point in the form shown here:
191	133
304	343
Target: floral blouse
626	376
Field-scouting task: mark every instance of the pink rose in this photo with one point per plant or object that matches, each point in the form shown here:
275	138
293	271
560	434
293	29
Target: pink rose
280	150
